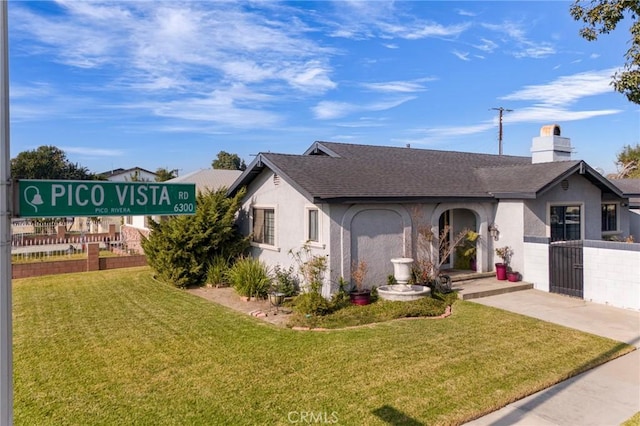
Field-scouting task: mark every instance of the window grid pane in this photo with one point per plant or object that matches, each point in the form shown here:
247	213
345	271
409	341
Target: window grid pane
313	225
258	225
264	226
269	227
609	217
565	223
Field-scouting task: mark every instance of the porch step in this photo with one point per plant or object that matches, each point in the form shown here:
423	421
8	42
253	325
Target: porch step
485	287
470	276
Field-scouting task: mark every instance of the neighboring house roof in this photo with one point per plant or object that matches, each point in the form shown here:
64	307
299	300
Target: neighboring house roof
120	171
209	179
336	172
630	188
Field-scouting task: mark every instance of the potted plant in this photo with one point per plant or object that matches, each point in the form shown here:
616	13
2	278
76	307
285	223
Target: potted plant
466	251
513	276
359	295
505	254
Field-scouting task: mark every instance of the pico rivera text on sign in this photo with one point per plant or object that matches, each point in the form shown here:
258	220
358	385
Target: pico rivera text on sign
47	198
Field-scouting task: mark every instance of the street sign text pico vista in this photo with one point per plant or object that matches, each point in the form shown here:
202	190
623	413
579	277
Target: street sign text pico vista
47	198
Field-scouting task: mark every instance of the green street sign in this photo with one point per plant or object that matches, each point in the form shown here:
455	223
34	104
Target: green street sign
65	198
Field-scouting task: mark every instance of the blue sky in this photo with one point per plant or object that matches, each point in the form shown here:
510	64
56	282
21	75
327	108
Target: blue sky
170	84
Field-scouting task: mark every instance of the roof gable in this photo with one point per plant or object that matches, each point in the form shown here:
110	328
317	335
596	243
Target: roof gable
335	172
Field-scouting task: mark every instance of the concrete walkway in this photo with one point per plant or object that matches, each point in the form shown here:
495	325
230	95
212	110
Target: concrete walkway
606	395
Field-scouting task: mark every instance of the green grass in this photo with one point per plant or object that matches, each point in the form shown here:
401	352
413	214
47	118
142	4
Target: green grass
380	311
633	421
116	347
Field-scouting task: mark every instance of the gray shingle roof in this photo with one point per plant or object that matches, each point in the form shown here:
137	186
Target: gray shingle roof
211	179
630	188
627	186
335	171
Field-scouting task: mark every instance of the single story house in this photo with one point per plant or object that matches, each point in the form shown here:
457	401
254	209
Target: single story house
366	203
129	175
631	189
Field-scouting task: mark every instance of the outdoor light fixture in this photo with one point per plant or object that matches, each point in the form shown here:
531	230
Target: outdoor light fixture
493	231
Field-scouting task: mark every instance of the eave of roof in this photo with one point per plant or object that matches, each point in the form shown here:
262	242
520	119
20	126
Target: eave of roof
347	173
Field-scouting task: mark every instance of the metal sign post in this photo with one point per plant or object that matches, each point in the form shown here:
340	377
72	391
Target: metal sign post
6	335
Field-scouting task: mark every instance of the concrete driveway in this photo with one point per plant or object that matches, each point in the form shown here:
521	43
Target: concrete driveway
606	395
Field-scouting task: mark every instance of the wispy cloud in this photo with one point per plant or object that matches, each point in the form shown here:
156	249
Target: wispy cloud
565	90
327	110
225	107
521	46
461	55
463	12
386	20
93	152
552	102
174	48
408	86
486	45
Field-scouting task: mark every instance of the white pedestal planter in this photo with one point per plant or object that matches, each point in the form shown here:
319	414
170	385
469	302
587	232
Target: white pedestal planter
402	269
402	291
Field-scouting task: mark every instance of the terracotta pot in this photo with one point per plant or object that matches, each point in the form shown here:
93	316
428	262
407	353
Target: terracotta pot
501	271
360	298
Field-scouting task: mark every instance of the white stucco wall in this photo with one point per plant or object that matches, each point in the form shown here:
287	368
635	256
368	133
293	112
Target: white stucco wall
536	262
510	221
290	209
612	273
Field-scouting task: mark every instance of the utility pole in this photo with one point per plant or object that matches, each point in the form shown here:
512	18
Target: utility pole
6	334
500	112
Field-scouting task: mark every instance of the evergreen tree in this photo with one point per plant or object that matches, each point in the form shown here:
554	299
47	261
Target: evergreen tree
163	174
228	161
180	248
47	162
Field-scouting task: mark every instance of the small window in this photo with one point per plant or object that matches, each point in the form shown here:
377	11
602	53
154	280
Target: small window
264	226
312	234
565	223
609	217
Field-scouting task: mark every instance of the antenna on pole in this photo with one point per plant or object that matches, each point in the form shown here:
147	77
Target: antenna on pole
500	112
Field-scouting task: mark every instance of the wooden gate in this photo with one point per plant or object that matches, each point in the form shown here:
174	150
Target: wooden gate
566	268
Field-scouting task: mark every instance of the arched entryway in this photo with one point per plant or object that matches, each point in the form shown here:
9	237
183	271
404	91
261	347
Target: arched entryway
376	238
452	223
375	234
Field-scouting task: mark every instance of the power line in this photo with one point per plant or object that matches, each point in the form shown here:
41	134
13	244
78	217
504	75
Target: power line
500	112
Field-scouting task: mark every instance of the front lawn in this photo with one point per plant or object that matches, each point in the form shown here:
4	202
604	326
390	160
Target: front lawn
116	347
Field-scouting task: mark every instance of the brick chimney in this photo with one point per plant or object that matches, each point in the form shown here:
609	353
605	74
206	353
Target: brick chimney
550	146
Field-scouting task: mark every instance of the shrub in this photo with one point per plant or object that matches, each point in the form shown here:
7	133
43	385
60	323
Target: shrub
341	298
180	247
285	281
250	277
217	270
312	303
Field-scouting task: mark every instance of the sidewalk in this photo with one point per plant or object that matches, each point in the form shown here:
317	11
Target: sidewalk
606	395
